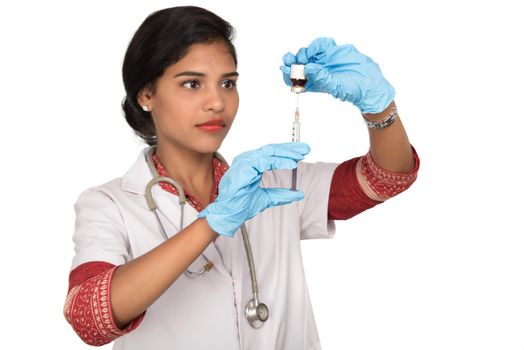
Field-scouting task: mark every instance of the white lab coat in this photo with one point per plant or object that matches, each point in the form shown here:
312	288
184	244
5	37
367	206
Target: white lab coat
114	225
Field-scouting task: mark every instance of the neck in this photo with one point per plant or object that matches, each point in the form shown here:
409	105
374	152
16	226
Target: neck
193	170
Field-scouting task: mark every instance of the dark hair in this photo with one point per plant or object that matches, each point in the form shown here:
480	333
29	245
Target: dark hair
162	40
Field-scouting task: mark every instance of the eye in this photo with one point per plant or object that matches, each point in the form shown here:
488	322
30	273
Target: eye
229	84
191	84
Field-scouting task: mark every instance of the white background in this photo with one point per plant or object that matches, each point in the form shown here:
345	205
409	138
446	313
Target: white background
439	267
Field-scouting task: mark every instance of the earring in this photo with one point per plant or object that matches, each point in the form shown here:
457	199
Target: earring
145	108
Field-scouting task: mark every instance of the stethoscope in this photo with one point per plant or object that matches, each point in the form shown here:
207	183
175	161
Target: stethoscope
256	312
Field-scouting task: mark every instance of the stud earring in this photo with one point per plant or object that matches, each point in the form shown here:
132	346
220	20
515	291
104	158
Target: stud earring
145	108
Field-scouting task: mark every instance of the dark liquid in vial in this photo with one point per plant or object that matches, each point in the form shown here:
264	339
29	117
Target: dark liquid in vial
299	82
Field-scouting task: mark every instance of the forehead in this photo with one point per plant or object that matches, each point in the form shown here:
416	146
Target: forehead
206	56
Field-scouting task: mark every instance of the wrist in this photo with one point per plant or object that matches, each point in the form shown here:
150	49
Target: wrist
385	121
219	223
378	117
204	226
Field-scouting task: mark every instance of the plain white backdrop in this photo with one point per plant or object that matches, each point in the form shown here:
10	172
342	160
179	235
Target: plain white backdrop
439	267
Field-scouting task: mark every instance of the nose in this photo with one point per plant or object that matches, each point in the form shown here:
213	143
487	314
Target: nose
214	101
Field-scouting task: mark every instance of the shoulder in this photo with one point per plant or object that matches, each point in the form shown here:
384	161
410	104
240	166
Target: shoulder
132	182
101	196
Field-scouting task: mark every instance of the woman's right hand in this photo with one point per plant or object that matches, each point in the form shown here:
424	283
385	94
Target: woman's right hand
240	196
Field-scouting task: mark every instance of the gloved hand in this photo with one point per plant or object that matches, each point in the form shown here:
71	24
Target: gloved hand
343	72
240	196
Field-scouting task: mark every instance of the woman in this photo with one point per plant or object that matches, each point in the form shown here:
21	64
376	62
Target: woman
127	282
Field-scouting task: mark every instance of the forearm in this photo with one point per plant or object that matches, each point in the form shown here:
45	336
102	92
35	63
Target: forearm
390	147
137	284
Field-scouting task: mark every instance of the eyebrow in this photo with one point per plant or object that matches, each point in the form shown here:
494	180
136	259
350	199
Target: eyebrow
198	74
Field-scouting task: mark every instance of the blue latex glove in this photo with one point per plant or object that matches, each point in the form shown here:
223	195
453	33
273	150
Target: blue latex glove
240	196
343	72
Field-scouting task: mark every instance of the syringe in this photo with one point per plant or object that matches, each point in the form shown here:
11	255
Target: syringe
295	138
298	83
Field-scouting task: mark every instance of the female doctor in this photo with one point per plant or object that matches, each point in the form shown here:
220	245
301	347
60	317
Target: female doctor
173	278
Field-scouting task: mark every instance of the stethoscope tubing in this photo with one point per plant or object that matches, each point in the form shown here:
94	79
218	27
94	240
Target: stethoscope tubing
254	306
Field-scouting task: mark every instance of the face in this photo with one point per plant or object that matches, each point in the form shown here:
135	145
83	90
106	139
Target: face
195	101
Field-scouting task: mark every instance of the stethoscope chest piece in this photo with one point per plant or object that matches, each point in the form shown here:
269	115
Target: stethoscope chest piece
256	313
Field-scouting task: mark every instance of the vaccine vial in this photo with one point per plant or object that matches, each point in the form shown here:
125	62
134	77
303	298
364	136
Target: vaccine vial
298	78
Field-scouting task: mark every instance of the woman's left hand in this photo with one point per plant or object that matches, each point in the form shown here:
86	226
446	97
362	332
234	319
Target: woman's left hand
343	72
240	196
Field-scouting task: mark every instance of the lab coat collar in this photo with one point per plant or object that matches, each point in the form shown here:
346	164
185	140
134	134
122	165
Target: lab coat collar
136	180
138	176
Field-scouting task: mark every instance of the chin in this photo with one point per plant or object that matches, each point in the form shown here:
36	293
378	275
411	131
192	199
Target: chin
208	147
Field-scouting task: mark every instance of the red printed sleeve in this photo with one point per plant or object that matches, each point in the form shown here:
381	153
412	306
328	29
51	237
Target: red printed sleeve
346	196
359	184
88	304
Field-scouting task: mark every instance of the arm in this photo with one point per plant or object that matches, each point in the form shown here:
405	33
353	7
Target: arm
105	299
87	307
360	183
137	284
391	165
390	147
346	74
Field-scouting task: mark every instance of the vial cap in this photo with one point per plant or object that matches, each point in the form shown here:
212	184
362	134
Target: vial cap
297	71
298	89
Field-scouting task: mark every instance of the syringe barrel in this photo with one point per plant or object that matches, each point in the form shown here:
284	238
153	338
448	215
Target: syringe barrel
295	138
296	132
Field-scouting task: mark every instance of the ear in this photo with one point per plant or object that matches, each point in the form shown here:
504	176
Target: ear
144	97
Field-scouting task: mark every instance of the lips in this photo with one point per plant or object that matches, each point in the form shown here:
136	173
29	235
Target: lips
213	122
212	126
